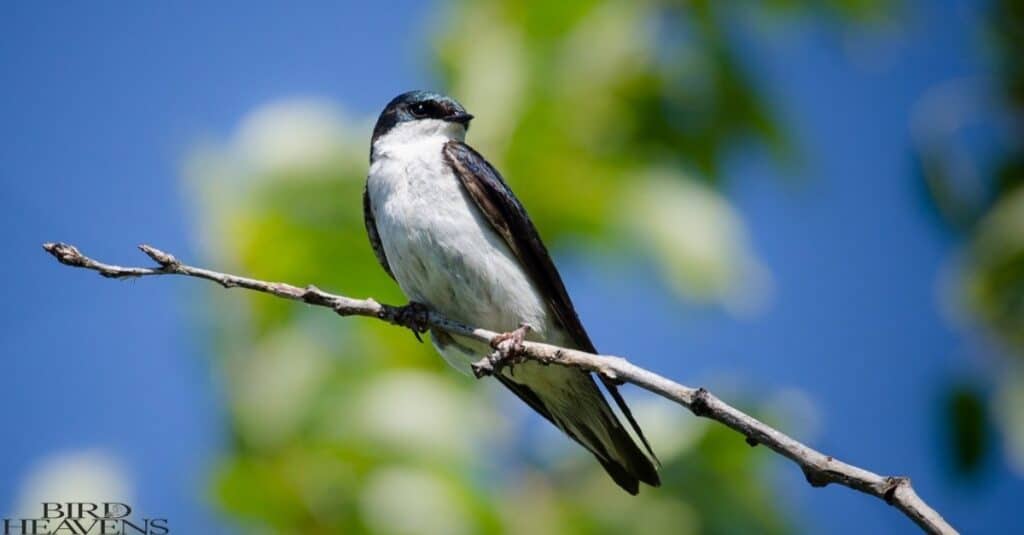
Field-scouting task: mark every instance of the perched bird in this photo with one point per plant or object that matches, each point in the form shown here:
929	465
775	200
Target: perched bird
446	227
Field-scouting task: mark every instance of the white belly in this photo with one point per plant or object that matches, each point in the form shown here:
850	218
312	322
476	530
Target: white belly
444	253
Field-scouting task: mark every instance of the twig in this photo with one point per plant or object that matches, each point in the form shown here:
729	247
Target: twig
818	468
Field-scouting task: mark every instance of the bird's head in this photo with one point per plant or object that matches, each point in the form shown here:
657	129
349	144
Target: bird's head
423	113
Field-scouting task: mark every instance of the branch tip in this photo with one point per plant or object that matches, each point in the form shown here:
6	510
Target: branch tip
164	259
65	253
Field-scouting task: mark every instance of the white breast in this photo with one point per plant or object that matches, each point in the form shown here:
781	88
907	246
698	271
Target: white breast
439	246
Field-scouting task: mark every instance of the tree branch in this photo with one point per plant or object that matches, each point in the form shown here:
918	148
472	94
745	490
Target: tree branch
818	468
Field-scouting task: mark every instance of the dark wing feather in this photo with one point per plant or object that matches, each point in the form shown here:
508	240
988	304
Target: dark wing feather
618	472
371	232
508	217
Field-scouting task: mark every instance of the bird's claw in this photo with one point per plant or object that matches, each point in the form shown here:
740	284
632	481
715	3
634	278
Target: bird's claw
512	341
508	351
416	317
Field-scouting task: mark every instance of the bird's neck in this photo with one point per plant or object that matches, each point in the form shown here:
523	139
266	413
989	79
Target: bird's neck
414	137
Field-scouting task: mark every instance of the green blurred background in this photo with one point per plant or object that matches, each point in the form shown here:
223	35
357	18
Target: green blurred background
810	207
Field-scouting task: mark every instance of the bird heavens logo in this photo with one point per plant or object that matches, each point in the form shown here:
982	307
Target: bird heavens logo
85	518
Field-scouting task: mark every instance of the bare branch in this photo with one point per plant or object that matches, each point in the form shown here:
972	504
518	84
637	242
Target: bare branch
818	468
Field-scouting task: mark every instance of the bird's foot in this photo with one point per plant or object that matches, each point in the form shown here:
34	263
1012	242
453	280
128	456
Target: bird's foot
415	316
512	341
508	351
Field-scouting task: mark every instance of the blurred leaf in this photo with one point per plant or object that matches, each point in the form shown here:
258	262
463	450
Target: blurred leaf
994	278
968	429
1009	411
978	193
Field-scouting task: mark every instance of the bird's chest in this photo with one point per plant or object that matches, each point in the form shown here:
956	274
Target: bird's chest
442	250
418	202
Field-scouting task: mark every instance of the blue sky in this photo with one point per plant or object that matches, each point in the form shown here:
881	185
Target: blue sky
101	104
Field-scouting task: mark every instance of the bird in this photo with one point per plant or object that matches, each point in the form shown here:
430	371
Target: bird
445	225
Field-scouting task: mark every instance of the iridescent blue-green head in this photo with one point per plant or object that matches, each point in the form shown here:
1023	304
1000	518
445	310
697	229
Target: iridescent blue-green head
420	105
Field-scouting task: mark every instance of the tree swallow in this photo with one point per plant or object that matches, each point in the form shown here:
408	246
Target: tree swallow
446	227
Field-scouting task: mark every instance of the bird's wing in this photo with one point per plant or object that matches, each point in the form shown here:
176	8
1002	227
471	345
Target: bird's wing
371	232
509	219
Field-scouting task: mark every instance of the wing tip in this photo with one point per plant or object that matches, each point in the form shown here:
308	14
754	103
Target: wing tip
629	479
630	461
626	463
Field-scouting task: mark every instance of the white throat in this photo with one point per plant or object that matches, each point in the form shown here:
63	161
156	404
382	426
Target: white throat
424	131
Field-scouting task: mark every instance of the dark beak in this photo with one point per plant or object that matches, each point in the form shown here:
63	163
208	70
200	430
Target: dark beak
462	118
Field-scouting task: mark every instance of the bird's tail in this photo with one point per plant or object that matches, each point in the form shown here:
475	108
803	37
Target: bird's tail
571	400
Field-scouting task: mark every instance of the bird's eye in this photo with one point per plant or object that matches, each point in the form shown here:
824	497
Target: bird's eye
421	109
